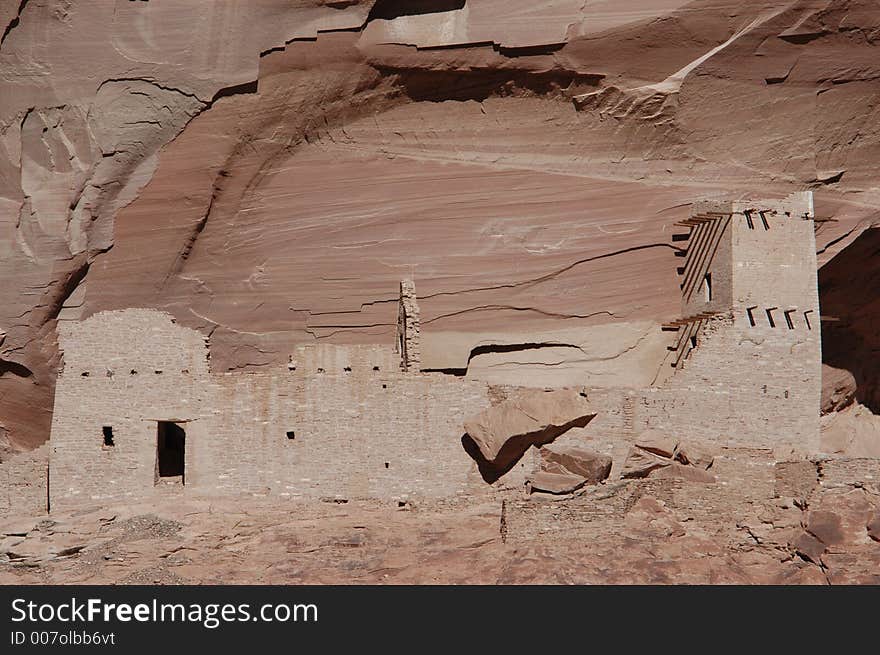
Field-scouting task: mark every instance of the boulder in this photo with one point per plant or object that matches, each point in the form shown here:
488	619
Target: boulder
682	472
851	432
640	463
838	389
498	436
555	483
826	526
694	455
18	527
571	459
809	547
657	442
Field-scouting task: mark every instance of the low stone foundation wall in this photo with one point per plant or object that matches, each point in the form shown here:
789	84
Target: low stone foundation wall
23	483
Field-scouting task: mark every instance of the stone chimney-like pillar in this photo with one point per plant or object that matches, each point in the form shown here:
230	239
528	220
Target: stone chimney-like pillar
408	328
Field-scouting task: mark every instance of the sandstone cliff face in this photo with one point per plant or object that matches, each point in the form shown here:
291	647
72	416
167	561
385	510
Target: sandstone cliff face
267	172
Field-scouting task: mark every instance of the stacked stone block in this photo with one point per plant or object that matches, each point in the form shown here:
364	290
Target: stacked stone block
408	328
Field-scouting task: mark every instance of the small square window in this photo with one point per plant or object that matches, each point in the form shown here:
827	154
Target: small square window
291	435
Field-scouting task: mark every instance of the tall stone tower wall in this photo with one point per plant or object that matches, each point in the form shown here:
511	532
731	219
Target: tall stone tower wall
748	358
409	328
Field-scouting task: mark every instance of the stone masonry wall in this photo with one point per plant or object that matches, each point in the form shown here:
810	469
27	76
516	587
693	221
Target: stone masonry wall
23	480
353	434
337	421
124	370
709	262
409	328
743	377
754	377
742	386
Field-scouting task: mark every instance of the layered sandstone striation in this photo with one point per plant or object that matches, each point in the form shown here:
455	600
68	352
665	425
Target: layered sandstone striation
266	185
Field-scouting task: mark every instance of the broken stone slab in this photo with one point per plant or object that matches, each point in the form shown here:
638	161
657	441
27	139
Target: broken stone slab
694	455
8	543
826	526
499	436
838	389
555	483
69	551
19	527
641	463
681	472
571	459
652	515
658	443
809	547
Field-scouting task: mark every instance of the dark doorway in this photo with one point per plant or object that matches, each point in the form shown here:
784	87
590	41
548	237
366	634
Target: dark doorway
170	453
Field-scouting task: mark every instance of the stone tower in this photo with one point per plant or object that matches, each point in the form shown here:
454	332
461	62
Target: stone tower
757	257
408	328
747	352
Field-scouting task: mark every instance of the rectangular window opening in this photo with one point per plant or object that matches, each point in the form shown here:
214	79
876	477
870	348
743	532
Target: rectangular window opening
764	221
749	220
107	431
750	312
770	317
707	287
807	319
788	319
170	453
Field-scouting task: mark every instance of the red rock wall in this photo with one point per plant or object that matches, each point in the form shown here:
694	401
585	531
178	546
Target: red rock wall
268	172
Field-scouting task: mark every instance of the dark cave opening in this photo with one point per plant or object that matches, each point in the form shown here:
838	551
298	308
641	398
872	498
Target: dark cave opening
391	9
849	297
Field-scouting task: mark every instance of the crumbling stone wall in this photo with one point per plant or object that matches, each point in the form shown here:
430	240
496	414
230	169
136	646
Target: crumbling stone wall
409	328
355	433
742	386
746	360
749	372
126	371
749	474
336	421
23	483
707	274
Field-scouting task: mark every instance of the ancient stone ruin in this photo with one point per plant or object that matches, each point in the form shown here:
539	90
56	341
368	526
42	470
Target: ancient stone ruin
139	411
